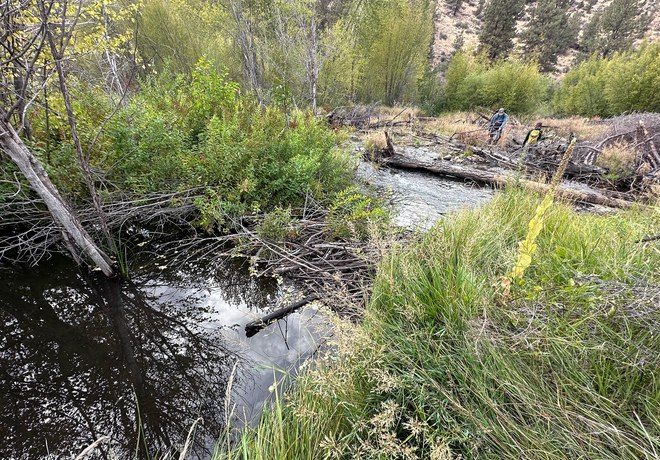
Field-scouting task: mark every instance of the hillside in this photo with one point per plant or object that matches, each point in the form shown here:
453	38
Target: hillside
462	26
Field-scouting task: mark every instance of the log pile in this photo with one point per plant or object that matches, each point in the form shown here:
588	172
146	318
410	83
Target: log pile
497	179
367	117
639	133
336	271
28	233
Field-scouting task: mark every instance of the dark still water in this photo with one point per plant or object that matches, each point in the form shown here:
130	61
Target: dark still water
74	369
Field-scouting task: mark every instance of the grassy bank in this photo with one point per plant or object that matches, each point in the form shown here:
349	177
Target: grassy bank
442	368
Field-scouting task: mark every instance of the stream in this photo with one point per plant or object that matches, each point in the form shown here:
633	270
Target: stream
73	369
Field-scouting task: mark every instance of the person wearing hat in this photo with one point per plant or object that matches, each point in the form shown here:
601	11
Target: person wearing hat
534	135
496	125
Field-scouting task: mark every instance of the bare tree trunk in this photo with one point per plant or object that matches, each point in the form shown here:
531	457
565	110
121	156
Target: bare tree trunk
313	60
72	230
19	88
245	39
82	159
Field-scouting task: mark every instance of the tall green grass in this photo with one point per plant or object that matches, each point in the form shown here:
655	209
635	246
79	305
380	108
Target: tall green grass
441	369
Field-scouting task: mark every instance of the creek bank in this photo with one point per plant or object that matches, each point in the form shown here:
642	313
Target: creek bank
185	311
444	367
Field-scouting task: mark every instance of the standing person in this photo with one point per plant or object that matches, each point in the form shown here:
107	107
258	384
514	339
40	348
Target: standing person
497	123
530	144
534	135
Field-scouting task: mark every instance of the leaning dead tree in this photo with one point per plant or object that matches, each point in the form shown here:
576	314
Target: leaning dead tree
29	36
76	238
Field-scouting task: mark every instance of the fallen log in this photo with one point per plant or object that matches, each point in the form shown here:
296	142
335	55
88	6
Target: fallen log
481	176
253	327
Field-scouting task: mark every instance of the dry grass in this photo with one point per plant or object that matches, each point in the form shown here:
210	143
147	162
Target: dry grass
468	124
400	112
375	142
583	128
455	122
619	159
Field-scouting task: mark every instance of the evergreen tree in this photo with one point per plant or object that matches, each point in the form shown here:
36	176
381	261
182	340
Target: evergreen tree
616	27
499	26
454	6
549	32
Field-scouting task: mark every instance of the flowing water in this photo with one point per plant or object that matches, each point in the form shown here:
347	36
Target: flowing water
74	369
422	199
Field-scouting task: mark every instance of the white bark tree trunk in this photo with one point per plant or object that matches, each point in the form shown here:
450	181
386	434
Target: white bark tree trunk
75	236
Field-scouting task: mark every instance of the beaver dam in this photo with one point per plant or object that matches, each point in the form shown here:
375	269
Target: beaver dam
206	326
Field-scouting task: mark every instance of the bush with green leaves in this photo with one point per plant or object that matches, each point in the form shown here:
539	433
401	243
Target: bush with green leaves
279	224
396	36
182	132
473	82
624	82
353	213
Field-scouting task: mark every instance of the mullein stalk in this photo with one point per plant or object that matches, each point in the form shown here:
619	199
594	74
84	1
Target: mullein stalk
528	246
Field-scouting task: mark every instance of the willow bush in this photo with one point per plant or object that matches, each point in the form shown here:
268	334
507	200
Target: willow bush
471	81
181	132
624	82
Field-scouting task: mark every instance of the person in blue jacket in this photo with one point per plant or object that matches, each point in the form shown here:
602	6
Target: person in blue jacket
496	125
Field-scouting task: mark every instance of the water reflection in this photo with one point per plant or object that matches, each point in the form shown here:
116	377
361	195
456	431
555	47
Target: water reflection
75	367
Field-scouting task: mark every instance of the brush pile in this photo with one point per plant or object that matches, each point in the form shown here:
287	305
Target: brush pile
619	156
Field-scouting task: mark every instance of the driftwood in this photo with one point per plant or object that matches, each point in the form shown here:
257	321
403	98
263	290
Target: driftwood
502	179
389	150
253	327
77	240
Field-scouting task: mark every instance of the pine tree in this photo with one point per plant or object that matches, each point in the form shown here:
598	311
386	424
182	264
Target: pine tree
454	6
499	27
549	33
616	27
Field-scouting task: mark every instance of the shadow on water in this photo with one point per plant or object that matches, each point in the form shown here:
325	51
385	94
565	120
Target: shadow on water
75	366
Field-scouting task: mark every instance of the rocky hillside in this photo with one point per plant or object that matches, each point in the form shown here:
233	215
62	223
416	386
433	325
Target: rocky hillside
455	28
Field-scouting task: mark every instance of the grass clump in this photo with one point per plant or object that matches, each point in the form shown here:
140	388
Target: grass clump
619	160
443	368
375	143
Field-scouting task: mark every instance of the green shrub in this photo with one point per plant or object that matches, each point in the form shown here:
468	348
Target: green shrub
146	144
187	132
610	86
278	225
353	212
472	82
